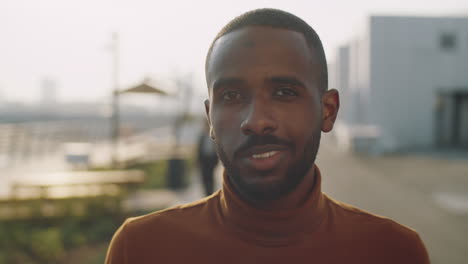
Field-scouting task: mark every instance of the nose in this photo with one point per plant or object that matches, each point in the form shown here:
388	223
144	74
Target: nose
259	119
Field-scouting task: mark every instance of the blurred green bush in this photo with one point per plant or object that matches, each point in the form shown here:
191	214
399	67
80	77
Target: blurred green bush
155	174
49	240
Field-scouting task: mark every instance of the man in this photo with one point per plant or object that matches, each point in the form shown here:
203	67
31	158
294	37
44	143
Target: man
268	103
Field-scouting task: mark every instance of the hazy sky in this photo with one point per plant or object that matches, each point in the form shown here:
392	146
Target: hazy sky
66	40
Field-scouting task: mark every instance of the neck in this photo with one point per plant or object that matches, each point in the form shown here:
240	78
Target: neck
282	222
292	200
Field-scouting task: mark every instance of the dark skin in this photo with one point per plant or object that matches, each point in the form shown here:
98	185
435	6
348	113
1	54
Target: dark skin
267	109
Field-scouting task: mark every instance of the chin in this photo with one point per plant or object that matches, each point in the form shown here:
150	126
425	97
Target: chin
265	186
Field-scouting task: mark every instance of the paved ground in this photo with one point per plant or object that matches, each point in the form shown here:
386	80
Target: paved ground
407	188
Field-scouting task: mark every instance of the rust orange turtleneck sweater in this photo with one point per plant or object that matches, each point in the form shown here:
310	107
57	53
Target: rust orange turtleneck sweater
222	228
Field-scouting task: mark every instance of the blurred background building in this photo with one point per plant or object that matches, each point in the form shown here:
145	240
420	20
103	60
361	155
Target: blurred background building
404	84
49	91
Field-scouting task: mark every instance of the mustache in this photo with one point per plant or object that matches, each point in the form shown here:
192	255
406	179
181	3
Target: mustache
256	140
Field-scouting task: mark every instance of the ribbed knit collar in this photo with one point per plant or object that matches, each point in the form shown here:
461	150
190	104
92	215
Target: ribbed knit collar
272	228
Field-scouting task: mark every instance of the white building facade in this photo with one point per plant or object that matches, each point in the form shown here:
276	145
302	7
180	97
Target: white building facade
404	84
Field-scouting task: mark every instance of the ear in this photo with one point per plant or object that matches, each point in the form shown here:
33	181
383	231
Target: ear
207	111
330	106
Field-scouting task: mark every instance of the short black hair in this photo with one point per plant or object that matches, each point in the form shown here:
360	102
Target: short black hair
275	18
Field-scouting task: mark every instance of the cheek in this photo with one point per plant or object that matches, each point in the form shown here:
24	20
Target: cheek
227	131
302	121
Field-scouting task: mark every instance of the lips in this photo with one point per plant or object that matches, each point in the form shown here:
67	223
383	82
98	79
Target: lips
264	158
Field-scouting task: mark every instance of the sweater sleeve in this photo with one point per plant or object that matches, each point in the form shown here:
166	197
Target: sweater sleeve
117	251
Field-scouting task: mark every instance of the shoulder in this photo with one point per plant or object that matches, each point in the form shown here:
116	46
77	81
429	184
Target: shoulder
160	227
345	213
383	235
174	216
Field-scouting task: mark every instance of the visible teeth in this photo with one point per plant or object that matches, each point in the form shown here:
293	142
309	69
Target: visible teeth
264	155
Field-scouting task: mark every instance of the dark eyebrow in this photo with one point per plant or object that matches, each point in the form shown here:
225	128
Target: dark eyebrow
286	80
226	82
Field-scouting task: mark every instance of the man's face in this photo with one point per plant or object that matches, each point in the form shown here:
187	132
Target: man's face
265	109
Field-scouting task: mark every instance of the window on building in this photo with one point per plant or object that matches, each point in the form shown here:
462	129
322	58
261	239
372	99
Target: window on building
448	41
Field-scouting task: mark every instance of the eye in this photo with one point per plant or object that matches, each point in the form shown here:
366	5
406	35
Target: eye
285	92
231	95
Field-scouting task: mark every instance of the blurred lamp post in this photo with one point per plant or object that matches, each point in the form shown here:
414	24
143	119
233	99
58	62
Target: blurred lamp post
115	98
185	93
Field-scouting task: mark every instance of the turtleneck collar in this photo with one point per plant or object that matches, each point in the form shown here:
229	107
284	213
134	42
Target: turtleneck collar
272	228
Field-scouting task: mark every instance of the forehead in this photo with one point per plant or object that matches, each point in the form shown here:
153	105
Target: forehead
258	49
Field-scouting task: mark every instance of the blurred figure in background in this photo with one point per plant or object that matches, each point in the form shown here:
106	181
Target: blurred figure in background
207	159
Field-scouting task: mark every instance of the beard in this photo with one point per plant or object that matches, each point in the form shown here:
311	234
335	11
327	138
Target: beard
295	173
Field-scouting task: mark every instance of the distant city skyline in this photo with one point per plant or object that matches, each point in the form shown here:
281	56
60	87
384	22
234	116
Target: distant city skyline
68	41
